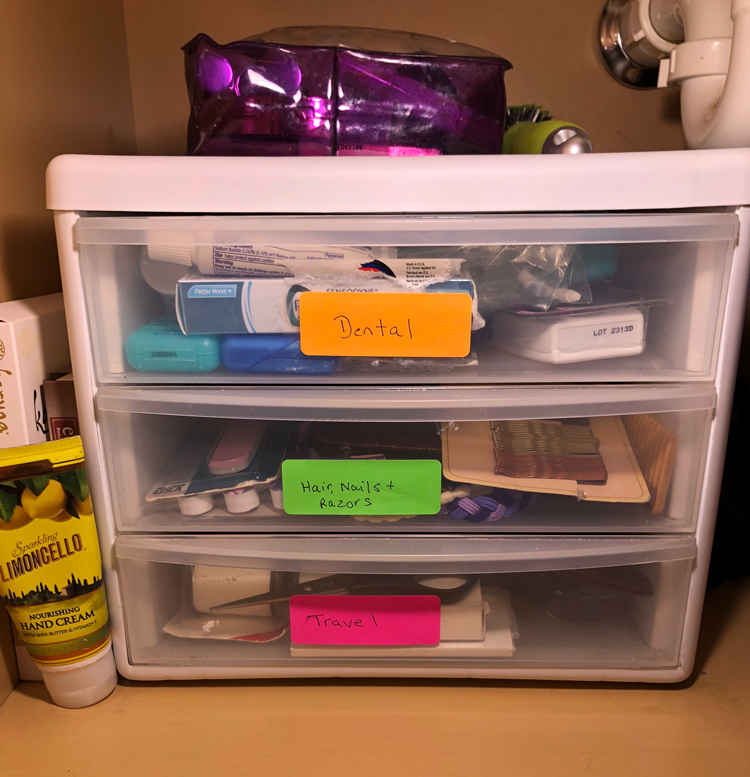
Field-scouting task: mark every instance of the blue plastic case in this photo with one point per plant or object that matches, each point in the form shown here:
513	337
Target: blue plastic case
162	347
272	354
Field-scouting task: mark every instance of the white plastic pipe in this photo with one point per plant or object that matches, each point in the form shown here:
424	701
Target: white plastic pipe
715	99
698	18
715	110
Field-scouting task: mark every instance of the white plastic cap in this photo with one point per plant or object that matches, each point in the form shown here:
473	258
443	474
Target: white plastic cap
277	498
241	500
84	683
161	276
173	254
196	504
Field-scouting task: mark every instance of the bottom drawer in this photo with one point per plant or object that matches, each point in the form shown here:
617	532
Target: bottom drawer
481	606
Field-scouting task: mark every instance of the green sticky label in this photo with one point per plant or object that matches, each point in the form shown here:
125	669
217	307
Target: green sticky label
357	487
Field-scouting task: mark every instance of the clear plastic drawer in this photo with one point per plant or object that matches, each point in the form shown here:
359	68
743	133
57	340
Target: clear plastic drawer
575	298
392	604
528	459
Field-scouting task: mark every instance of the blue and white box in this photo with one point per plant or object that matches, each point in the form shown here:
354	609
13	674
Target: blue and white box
212	305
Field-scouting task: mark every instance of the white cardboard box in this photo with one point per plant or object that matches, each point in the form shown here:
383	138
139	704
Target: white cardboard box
33	344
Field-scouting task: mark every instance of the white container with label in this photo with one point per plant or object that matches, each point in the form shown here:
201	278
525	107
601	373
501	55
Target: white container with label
573	338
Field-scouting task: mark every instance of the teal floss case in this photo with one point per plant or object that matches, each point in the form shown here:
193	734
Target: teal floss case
162	347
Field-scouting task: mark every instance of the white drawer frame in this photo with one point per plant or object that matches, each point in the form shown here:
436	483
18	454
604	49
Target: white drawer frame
656	190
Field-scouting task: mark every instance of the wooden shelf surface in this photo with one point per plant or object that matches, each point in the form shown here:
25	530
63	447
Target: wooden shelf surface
353	728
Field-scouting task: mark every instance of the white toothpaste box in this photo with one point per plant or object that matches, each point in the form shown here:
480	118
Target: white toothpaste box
33	344
212	305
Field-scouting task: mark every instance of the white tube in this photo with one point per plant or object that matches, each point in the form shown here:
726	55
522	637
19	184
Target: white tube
161	276
318	261
262	261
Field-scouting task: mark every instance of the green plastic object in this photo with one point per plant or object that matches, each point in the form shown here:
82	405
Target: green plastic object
162	347
545	137
359	487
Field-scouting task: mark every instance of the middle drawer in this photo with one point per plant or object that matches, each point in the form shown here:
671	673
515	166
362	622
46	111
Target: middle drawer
528	459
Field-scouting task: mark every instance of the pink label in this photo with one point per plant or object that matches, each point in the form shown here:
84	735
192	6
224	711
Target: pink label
365	620
363	149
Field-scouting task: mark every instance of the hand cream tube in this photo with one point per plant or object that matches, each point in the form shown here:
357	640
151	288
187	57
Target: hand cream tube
252	261
51	570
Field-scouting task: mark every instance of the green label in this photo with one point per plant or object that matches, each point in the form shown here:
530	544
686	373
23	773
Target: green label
357	487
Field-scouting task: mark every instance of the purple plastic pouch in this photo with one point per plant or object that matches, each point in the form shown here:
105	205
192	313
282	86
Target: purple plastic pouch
259	99
284	96
389	104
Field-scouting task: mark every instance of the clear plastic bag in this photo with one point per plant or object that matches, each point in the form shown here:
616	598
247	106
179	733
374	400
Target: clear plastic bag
518	276
535	276
397	364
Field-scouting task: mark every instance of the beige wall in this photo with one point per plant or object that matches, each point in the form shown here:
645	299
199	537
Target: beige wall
549	42
8	668
65	89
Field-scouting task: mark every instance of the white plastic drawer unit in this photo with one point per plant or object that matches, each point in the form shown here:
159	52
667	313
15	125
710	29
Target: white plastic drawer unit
496	607
636	297
526	459
547	443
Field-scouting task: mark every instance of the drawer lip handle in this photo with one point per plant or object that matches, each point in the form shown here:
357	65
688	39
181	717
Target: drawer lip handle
414	229
396	554
462	403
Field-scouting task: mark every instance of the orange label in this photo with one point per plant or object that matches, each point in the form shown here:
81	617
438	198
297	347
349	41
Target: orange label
409	324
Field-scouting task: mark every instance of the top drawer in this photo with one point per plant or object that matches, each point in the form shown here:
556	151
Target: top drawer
576	298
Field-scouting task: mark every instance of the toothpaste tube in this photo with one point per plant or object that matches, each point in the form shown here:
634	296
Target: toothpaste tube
254	261
210	305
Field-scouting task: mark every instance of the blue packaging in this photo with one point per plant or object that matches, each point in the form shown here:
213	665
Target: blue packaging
162	347
211	305
272	354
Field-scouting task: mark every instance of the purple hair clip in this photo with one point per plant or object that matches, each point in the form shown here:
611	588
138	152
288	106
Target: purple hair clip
500	503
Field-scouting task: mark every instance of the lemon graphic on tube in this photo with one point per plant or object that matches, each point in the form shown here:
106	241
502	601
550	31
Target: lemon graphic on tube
49	504
84	508
17	520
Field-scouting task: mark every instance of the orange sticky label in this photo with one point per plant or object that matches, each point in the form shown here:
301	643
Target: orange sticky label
409	324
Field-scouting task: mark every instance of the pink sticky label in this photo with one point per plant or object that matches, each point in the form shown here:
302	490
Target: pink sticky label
365	620
364	149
